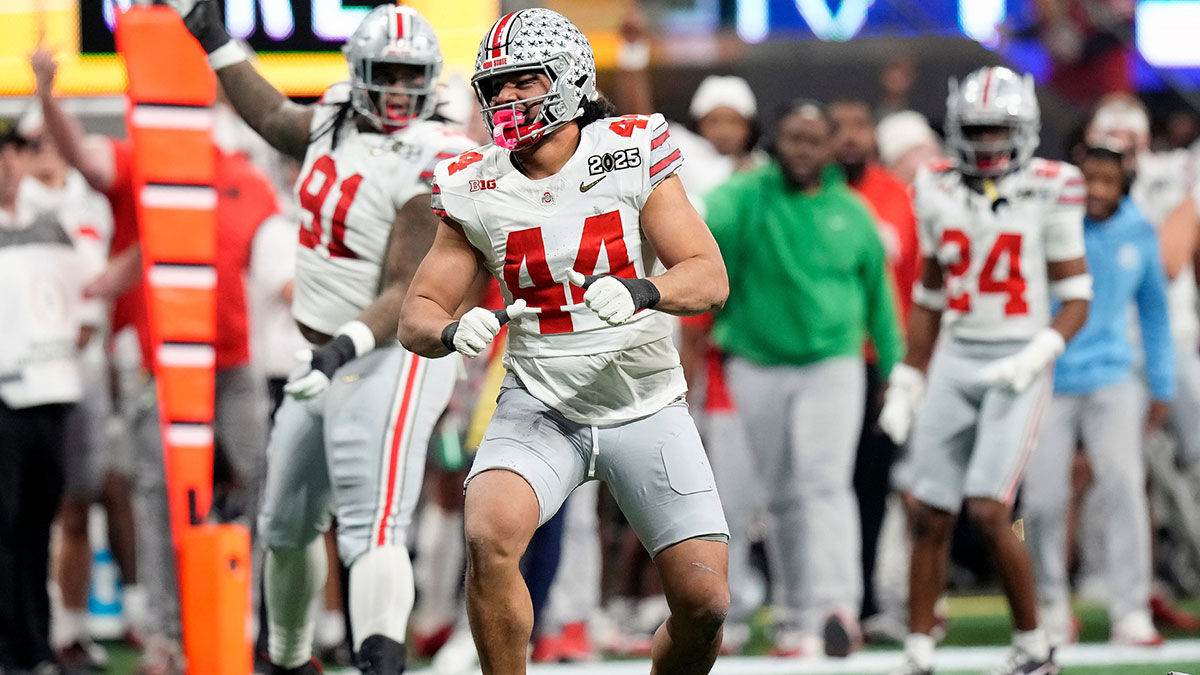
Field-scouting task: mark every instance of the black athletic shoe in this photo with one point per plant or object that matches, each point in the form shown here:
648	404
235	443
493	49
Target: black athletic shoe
310	668
841	638
381	655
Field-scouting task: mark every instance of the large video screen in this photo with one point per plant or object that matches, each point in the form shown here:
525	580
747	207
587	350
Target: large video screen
267	25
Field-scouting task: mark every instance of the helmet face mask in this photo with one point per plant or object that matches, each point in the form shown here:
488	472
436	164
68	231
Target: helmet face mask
394	52
541	42
992	122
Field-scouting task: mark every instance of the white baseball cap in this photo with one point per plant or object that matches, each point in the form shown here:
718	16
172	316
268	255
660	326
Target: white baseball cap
729	91
900	132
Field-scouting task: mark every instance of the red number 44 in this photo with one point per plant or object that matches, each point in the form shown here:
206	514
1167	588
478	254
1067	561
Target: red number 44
1007	244
526	247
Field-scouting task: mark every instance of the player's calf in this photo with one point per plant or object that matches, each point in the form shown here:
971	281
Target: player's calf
697	590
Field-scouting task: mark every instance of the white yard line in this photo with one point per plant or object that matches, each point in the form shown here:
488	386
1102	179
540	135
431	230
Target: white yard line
1181	654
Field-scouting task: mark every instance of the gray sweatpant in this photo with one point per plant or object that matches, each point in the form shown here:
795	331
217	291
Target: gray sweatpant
803	424
1108	422
240	427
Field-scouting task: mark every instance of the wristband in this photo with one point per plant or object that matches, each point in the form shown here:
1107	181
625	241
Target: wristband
360	335
448	335
227	55
643	291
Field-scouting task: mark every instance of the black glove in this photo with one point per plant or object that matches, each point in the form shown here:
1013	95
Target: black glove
204	22
323	363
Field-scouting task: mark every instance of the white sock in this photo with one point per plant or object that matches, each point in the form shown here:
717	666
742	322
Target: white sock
919	648
331	628
295	580
134	603
381	594
439	566
73	627
1032	642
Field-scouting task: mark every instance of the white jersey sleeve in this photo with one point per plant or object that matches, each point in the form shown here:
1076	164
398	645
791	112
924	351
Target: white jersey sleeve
925	208
665	158
1064	215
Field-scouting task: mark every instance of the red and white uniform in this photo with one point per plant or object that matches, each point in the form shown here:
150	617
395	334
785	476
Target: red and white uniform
357	451
994	255
351	186
586	217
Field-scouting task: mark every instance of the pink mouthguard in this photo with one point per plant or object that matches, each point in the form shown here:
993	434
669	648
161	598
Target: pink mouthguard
504	121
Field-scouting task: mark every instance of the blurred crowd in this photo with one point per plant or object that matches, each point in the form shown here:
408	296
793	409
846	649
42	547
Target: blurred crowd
786	386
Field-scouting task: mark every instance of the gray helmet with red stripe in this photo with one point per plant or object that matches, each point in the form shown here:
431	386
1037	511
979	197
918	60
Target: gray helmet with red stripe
542	41
392	34
993	96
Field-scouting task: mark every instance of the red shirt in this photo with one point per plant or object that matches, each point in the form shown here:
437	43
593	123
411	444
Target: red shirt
891	203
716	390
245	198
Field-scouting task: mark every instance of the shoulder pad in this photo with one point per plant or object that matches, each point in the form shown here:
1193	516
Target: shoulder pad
337	94
453	173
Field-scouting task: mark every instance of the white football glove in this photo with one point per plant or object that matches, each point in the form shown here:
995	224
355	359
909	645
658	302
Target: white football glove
471	334
613	299
906	388
1018	371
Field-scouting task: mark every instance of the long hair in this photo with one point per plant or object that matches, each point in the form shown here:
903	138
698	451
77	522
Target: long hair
595	110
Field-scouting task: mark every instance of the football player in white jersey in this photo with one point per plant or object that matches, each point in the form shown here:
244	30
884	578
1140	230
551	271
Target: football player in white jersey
586	226
352	435
1000	230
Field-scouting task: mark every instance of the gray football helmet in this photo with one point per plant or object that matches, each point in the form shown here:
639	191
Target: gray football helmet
987	97
542	41
392	34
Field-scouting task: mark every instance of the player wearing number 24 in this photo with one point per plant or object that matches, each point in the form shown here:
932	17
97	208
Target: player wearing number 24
594	391
1000	231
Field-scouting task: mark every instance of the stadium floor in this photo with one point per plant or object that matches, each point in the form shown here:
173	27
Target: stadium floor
979	631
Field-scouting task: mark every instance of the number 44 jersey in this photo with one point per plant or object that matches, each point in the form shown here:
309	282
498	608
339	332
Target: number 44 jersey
993	249
352	185
586	217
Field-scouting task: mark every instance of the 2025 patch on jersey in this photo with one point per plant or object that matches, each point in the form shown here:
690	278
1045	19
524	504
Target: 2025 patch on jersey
586	217
349	192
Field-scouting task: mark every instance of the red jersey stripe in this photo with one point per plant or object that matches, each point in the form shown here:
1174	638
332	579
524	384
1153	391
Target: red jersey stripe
664	163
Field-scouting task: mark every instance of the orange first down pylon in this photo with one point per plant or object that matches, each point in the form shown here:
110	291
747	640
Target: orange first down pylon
170	120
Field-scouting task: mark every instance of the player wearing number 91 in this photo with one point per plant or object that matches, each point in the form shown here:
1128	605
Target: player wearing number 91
583	221
351	437
1000	230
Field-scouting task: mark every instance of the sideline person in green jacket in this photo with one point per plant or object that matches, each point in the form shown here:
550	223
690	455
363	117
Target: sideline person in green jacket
808	284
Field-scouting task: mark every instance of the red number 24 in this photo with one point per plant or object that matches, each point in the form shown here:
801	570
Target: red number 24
526	246
1007	244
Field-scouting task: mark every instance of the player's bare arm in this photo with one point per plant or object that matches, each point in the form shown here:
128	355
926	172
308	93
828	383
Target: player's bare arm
1074	310
91	155
1177	237
925	318
695	281
281	122
410	239
438	289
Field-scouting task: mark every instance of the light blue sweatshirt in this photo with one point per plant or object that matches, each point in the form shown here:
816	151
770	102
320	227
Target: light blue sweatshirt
1126	266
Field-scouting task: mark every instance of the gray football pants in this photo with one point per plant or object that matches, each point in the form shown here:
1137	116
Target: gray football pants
240	426
1108	422
803	424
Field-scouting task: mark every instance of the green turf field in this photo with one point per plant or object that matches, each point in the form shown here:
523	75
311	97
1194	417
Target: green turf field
978	621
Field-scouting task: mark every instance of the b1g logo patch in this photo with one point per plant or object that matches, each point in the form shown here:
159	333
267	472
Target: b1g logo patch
614	161
477	185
